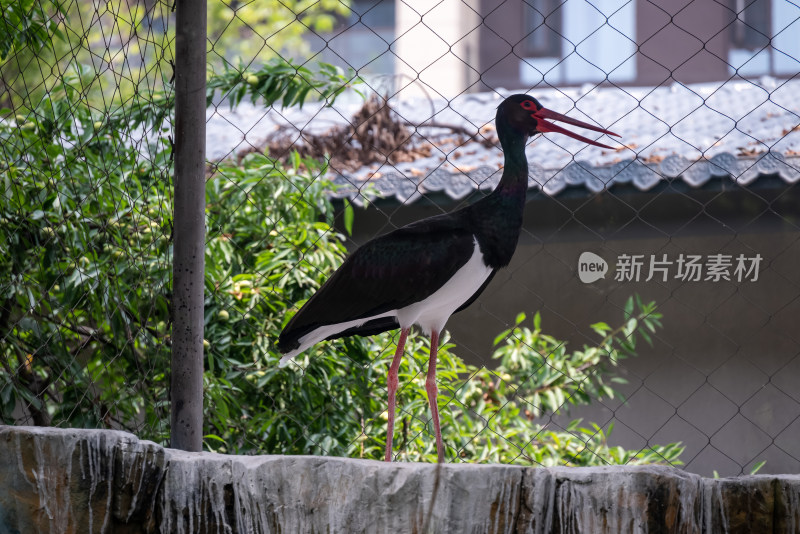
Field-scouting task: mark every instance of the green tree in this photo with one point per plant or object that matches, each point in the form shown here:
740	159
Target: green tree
122	43
126	45
85	250
84	259
260	31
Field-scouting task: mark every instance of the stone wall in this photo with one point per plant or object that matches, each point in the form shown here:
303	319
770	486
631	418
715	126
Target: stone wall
54	481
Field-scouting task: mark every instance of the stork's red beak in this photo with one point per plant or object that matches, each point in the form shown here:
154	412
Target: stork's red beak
543	126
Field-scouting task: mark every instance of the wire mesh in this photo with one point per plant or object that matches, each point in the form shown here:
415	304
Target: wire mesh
86	214
696	211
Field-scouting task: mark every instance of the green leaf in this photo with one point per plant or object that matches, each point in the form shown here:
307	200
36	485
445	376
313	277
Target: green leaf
601	328
757	467
629	308
348	217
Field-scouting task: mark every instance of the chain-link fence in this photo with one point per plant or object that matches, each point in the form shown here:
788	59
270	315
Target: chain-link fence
696	211
86	214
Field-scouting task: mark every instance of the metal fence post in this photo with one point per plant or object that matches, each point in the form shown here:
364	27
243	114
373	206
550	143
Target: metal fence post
189	226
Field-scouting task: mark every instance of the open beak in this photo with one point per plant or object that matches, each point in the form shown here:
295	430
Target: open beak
543	126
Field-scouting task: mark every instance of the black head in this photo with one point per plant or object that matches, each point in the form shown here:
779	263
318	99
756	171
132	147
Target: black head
526	116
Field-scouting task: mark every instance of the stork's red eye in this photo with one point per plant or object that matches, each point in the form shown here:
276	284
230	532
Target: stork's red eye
528	104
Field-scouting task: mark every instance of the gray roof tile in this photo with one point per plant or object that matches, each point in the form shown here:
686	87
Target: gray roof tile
737	129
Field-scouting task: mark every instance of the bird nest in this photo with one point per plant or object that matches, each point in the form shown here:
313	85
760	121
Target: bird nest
375	134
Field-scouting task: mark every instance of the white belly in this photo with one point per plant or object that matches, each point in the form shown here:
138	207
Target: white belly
430	314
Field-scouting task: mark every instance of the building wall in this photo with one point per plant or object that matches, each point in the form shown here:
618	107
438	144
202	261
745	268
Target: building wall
683	41
435	47
456	46
637	43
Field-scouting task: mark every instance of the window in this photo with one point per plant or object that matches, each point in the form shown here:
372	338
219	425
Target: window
751	31
541	28
361	38
372	13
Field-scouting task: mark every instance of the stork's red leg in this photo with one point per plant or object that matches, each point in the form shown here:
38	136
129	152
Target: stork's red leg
430	387
393	382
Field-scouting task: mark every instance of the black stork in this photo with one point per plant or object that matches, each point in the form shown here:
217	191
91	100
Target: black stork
424	272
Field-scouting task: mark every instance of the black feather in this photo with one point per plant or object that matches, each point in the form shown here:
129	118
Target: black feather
388	273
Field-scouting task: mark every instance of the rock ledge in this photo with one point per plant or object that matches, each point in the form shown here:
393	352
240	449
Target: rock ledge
64	481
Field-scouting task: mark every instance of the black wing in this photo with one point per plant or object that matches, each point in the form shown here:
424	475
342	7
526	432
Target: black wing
387	273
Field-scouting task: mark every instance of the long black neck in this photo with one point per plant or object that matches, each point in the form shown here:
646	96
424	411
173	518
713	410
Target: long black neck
515	166
497	219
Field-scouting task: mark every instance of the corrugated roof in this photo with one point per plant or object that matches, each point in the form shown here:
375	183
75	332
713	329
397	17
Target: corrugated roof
739	129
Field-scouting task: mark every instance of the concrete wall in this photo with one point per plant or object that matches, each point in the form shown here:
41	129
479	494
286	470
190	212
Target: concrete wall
86	481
